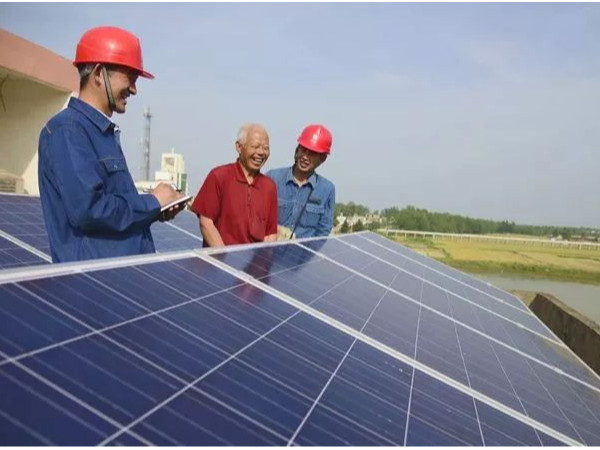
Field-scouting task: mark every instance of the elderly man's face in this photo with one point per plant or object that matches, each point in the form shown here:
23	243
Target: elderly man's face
255	151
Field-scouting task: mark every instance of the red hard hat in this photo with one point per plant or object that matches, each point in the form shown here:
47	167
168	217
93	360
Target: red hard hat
316	138
111	45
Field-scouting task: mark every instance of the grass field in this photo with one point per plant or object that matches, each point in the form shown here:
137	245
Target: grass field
554	263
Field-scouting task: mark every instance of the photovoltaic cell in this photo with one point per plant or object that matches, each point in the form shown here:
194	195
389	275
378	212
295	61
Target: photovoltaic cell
183	352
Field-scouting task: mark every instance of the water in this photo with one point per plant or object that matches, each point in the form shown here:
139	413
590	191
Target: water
585	298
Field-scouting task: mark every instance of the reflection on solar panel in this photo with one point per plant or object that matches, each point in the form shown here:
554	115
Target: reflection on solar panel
21	217
339	341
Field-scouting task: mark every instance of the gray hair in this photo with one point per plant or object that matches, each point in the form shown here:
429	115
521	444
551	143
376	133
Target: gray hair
246	128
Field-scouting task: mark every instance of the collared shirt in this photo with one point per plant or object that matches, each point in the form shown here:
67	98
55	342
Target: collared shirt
91	206
317	219
242	213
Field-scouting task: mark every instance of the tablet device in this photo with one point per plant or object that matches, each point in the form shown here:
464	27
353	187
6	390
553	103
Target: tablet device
185	199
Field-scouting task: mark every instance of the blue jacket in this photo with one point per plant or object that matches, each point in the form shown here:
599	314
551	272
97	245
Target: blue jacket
317	219
91	206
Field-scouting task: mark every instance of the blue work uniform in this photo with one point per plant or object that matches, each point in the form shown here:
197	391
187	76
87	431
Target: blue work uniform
317	219
91	206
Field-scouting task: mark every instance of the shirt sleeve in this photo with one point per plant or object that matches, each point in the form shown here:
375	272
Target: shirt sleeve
325	224
208	201
79	179
271	227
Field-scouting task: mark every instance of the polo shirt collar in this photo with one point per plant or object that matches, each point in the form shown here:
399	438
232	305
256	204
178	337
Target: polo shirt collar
241	177
96	116
312	180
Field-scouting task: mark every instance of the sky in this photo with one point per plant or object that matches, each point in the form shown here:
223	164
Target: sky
482	109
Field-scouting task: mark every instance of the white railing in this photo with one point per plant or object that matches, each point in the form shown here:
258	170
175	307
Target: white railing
502	239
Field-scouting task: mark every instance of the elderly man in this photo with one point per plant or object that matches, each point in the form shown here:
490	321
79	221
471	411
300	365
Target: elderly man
91	206
306	200
237	204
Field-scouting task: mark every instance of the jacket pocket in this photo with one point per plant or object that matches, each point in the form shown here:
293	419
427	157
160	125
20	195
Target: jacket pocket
117	178
312	215
112	165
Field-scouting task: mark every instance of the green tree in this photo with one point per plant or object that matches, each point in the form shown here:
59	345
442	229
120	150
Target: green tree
358	226
345	227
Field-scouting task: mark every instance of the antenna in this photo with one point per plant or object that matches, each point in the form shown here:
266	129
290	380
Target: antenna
145	169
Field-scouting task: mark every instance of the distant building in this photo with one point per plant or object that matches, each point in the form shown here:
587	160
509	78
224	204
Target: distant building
352	220
172	170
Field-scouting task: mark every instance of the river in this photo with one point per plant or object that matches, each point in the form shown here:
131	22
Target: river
585	298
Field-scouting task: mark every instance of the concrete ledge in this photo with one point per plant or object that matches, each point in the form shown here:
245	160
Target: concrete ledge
579	333
23	58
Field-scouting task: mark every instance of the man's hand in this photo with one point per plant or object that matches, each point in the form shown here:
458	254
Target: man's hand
284	233
168	214
165	194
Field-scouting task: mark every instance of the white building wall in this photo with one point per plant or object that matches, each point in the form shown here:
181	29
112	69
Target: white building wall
29	105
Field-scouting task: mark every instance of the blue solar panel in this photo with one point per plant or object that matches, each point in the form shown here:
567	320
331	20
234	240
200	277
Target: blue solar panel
501	364
462	277
11	256
181	233
21	217
187	221
441	293
191	351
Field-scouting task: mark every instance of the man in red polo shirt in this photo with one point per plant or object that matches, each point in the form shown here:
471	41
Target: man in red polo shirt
237	204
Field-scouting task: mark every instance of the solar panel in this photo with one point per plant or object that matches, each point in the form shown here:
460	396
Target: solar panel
187	221
267	345
181	233
21	217
11	256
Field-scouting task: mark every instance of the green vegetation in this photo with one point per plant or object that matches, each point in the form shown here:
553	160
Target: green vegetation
564	264
350	209
417	219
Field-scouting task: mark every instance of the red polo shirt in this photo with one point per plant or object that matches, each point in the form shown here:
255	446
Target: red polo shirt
243	213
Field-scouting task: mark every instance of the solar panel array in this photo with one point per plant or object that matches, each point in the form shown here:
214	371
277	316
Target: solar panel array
22	221
341	341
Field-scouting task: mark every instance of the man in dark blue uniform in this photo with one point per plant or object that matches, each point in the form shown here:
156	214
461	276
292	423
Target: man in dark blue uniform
91	206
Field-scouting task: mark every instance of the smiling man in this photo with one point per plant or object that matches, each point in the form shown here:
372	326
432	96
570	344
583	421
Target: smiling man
236	203
306	200
91	206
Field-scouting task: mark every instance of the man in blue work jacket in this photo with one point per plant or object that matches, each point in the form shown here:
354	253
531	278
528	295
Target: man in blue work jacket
90	203
305	200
